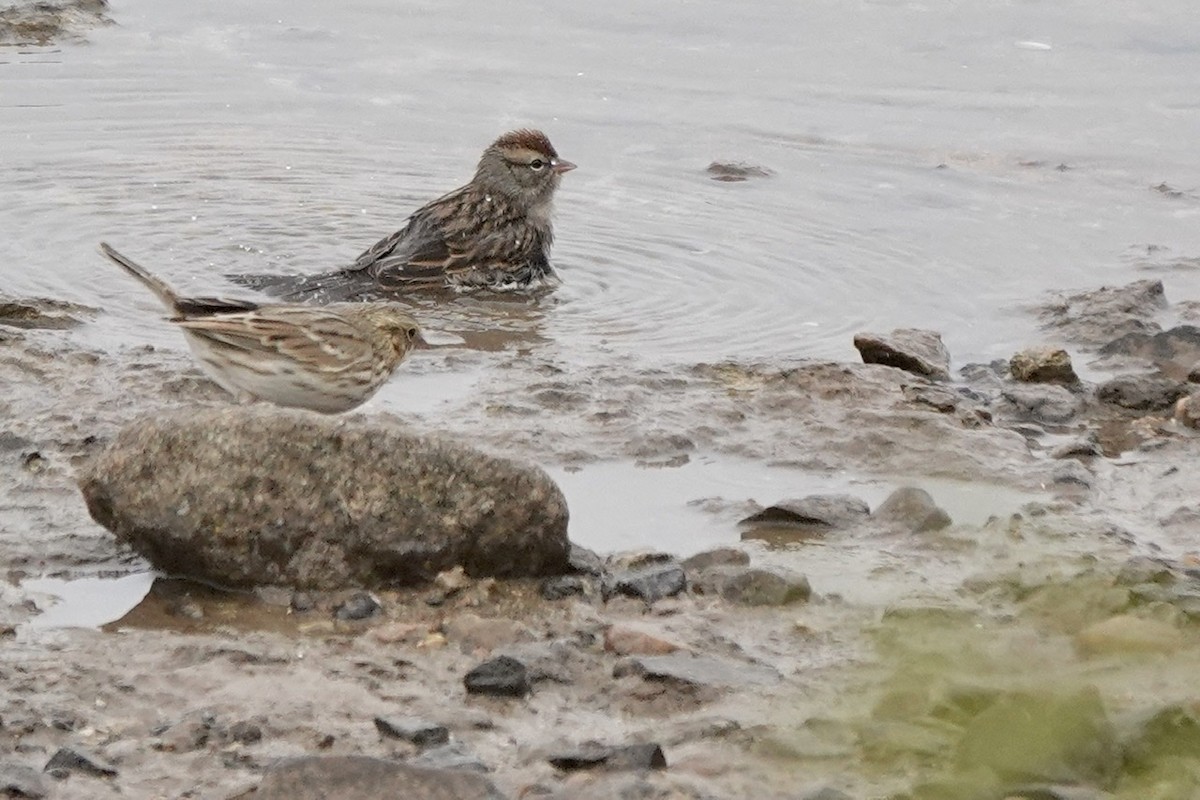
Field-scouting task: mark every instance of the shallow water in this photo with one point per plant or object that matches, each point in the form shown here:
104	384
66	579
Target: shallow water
914	151
214	138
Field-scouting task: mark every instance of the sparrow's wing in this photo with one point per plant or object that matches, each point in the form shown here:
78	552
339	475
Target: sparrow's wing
320	340
416	254
188	307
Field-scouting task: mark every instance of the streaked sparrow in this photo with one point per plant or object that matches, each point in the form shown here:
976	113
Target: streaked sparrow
324	358
494	233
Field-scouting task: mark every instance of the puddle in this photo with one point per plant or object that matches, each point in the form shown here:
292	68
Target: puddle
86	602
617	506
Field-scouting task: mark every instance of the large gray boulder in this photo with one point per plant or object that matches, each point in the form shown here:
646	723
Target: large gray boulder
245	496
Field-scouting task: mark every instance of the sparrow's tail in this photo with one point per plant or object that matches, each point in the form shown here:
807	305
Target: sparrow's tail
329	287
164	292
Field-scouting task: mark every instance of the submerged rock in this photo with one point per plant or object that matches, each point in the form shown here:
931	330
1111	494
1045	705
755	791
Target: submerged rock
685	668
1043	365
753	586
1094	317
913	509
1173	351
597	756
1045	403
911	349
418	731
74	759
365	778
825	510
1126	633
735	171
719	557
1042	736
38	312
45	21
649	583
255	495
1141	392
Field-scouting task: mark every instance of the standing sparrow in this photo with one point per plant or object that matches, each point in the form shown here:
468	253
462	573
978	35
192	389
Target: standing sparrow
328	358
493	233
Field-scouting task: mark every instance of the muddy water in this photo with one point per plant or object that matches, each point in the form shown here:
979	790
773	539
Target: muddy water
935	165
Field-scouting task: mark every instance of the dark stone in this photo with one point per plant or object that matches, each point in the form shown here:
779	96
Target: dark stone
193	732
1071	473
913	509
736	171
657	449
420	732
583	561
254	495
19	780
1043	365
721	556
39	312
302	602
74	759
1172	351
826	510
360	605
503	676
245	732
753	586
1086	447
365	778
1094	317
1142	392
910	349
685	668
625	757
1042	402
563	586
650	583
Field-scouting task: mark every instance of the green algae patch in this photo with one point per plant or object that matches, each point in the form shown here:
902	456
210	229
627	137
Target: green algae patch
1080	682
1032	684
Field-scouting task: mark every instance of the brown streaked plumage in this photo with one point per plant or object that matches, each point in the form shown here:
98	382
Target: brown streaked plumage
324	358
495	233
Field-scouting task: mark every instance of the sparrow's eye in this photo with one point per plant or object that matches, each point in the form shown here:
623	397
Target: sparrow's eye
537	165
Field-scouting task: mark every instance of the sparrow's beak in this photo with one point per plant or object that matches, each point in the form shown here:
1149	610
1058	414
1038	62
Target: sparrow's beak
562	165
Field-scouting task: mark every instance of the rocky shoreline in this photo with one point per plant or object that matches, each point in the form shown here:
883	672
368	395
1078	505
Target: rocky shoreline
735	672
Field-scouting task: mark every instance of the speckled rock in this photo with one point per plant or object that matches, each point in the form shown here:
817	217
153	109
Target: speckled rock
45	21
1043	365
911	349
364	778
256	495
